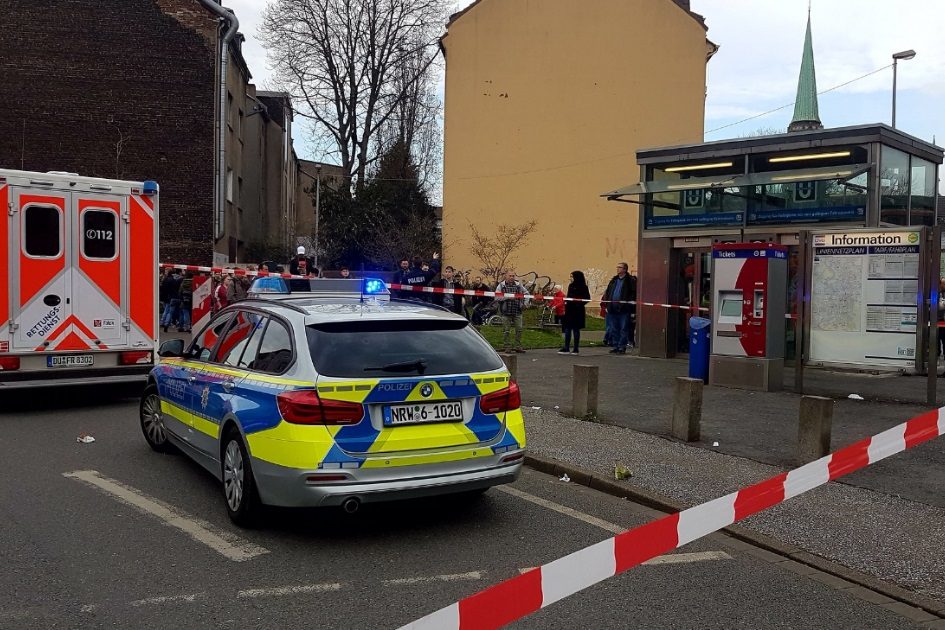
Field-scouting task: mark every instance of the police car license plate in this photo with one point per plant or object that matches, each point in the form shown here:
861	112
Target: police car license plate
418	413
69	360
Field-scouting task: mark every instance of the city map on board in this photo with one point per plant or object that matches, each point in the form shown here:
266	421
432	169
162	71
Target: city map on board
838	287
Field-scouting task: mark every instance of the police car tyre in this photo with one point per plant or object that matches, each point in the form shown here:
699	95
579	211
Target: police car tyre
239	485
152	421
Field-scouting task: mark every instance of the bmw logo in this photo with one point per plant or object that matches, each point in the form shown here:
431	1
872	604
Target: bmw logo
426	390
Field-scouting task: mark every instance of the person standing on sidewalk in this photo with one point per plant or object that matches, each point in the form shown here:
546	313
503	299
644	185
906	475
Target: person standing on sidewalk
171	286
632	313
186	301
510	308
574	312
618	313
449	301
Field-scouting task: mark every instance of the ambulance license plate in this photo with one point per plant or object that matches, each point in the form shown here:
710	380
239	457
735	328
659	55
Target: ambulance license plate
69	360
418	413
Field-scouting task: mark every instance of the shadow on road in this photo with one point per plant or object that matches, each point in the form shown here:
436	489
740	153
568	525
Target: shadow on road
52	398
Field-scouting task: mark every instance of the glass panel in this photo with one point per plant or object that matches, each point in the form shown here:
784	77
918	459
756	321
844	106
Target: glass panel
275	351
203	343
391	348
894	187
922	190
99	234
231	348
252	348
811	202
41	231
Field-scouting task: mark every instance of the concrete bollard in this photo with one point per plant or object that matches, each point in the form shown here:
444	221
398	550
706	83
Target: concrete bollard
687	409
813	428
584	391
511	362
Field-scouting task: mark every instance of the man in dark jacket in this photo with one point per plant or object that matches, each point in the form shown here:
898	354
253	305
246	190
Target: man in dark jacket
619	291
449	300
415	276
170	295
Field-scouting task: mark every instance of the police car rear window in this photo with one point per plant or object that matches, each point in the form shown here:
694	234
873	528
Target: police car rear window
385	349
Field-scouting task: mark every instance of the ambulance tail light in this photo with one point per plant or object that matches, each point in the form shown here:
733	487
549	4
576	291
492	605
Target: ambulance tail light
507	399
9	364
306	407
137	357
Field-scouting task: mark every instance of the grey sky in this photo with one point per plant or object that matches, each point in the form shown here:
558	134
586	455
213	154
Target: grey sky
756	67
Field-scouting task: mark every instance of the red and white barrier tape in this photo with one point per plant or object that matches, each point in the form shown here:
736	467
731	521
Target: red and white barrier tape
522	595
420	289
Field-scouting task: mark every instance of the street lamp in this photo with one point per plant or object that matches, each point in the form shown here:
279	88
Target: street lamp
905	56
318	200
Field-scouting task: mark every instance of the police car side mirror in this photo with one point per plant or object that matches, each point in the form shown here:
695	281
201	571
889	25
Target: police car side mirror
172	348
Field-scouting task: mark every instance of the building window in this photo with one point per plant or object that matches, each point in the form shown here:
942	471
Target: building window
239	192
229	185
239	124
229	110
894	187
922	192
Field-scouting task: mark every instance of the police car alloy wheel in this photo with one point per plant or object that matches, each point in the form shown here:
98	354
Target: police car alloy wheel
152	421
239	485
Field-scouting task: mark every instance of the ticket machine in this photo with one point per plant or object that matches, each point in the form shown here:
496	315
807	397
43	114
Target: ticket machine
749	285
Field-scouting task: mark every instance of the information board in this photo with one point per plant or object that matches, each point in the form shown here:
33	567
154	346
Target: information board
864	297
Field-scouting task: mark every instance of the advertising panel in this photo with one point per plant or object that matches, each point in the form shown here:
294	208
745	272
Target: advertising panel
864	298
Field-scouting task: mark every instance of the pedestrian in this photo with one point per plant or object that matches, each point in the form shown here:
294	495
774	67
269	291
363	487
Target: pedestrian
236	290
221	294
186	301
575	312
300	264
170	288
510	308
618	311
345	272
557	303
941	318
632	314
450	301
413	275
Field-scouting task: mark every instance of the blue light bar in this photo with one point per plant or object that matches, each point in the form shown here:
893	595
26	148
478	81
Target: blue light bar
374	286
269	285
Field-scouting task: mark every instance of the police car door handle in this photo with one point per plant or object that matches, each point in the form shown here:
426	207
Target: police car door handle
192	379
228	385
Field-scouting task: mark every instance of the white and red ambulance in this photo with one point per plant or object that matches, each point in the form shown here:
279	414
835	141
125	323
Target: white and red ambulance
79	295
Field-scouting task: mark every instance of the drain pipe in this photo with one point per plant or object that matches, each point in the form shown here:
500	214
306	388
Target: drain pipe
230	18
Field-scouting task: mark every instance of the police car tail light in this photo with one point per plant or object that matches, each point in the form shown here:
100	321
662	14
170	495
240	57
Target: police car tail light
8	364
135	358
305	407
503	400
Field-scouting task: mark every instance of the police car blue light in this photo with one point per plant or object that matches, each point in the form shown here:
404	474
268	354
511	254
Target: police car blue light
269	285
373	286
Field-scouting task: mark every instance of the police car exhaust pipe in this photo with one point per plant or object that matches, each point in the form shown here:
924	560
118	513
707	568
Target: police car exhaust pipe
351	505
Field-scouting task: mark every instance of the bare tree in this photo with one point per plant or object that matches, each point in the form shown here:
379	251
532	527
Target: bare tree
496	252
352	63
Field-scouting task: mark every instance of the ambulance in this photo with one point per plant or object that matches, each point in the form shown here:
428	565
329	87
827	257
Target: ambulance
79	303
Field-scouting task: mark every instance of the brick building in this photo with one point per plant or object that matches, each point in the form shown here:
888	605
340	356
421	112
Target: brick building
131	90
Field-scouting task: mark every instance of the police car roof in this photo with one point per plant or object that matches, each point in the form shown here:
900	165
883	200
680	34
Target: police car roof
319	309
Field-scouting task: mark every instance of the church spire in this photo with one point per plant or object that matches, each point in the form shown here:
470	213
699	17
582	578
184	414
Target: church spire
806	116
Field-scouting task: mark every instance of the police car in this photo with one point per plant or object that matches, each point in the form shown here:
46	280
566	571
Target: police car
329	393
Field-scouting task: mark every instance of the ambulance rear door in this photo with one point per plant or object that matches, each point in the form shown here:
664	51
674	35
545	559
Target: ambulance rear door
99	280
40	254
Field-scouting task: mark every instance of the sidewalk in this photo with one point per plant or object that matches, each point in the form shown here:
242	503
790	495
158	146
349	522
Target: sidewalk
891	538
636	393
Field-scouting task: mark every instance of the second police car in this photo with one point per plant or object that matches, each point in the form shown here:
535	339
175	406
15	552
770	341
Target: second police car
329	393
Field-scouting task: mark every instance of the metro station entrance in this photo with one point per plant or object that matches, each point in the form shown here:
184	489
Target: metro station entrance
691	285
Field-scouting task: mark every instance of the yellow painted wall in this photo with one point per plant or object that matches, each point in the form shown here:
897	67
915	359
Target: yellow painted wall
547	102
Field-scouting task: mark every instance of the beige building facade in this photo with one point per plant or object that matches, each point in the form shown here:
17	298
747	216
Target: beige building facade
546	105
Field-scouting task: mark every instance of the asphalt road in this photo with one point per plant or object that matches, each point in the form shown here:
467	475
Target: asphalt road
76	554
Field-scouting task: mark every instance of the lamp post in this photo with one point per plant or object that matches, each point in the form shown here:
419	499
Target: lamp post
905	55
318	199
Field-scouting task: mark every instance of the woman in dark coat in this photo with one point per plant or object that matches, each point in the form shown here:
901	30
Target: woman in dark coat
573	321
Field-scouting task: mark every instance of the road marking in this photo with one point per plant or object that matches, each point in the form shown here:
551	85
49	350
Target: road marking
683	558
561	509
280	591
226	544
456	577
157	601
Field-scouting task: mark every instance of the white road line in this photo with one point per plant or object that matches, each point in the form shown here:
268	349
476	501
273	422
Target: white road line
157	601
561	509
456	577
279	591
226	544
682	558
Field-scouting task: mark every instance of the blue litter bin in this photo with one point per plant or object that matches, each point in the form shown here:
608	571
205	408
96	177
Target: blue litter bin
699	348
